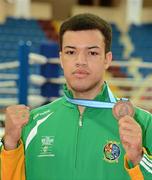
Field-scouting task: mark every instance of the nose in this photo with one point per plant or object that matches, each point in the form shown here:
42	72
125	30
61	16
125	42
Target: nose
81	59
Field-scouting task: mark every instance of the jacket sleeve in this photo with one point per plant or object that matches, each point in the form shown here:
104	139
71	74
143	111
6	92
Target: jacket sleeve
143	171
12	164
146	165
135	173
146	161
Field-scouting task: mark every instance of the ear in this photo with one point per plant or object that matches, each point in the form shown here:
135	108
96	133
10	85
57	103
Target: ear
60	57
108	59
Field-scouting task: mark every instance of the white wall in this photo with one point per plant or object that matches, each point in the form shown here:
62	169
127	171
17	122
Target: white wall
39	10
2	11
115	14
46	10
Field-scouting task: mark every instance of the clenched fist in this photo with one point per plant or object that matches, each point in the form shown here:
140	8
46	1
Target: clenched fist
16	117
131	138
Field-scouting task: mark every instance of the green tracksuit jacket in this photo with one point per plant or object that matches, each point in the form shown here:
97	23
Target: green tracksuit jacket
58	147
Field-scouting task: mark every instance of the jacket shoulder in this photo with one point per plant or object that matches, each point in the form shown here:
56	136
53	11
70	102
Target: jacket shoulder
47	107
143	117
142	113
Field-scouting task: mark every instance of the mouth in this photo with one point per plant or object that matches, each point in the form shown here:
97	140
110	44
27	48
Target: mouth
80	74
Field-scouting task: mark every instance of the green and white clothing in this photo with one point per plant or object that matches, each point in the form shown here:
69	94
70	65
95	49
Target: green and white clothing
61	144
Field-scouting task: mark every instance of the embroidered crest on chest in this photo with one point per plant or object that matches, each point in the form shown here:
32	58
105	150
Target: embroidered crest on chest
111	152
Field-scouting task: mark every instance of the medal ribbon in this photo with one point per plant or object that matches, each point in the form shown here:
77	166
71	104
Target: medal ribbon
95	104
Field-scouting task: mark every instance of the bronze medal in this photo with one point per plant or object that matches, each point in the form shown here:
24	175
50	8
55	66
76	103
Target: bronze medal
123	108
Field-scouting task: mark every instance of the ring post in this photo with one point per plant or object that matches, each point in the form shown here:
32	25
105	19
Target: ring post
23	72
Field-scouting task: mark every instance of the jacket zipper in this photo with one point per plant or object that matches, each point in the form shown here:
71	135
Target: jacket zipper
80	121
78	131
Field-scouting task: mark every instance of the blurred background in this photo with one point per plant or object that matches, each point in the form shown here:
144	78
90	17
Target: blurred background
30	72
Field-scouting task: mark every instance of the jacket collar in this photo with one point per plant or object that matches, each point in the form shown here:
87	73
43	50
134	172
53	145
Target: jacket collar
102	96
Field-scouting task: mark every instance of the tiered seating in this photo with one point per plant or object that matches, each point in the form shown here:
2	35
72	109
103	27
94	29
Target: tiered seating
117	46
15	30
142	40
117	51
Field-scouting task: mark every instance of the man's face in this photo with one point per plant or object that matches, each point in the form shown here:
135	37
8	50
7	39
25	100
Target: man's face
84	60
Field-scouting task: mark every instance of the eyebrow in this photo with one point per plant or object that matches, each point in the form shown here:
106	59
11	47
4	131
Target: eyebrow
72	47
91	47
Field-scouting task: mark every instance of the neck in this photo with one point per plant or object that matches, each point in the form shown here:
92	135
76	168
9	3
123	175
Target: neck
86	95
90	94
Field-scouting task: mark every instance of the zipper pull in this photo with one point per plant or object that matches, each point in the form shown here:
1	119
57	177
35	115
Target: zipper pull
80	120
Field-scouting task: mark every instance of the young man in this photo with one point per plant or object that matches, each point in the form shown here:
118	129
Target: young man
77	137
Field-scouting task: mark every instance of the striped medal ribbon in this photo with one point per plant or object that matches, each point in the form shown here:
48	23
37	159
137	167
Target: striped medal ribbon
120	108
95	104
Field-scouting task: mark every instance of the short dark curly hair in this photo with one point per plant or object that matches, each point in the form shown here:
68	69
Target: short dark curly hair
87	21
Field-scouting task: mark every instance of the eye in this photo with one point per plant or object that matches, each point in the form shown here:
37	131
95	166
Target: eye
93	53
70	52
